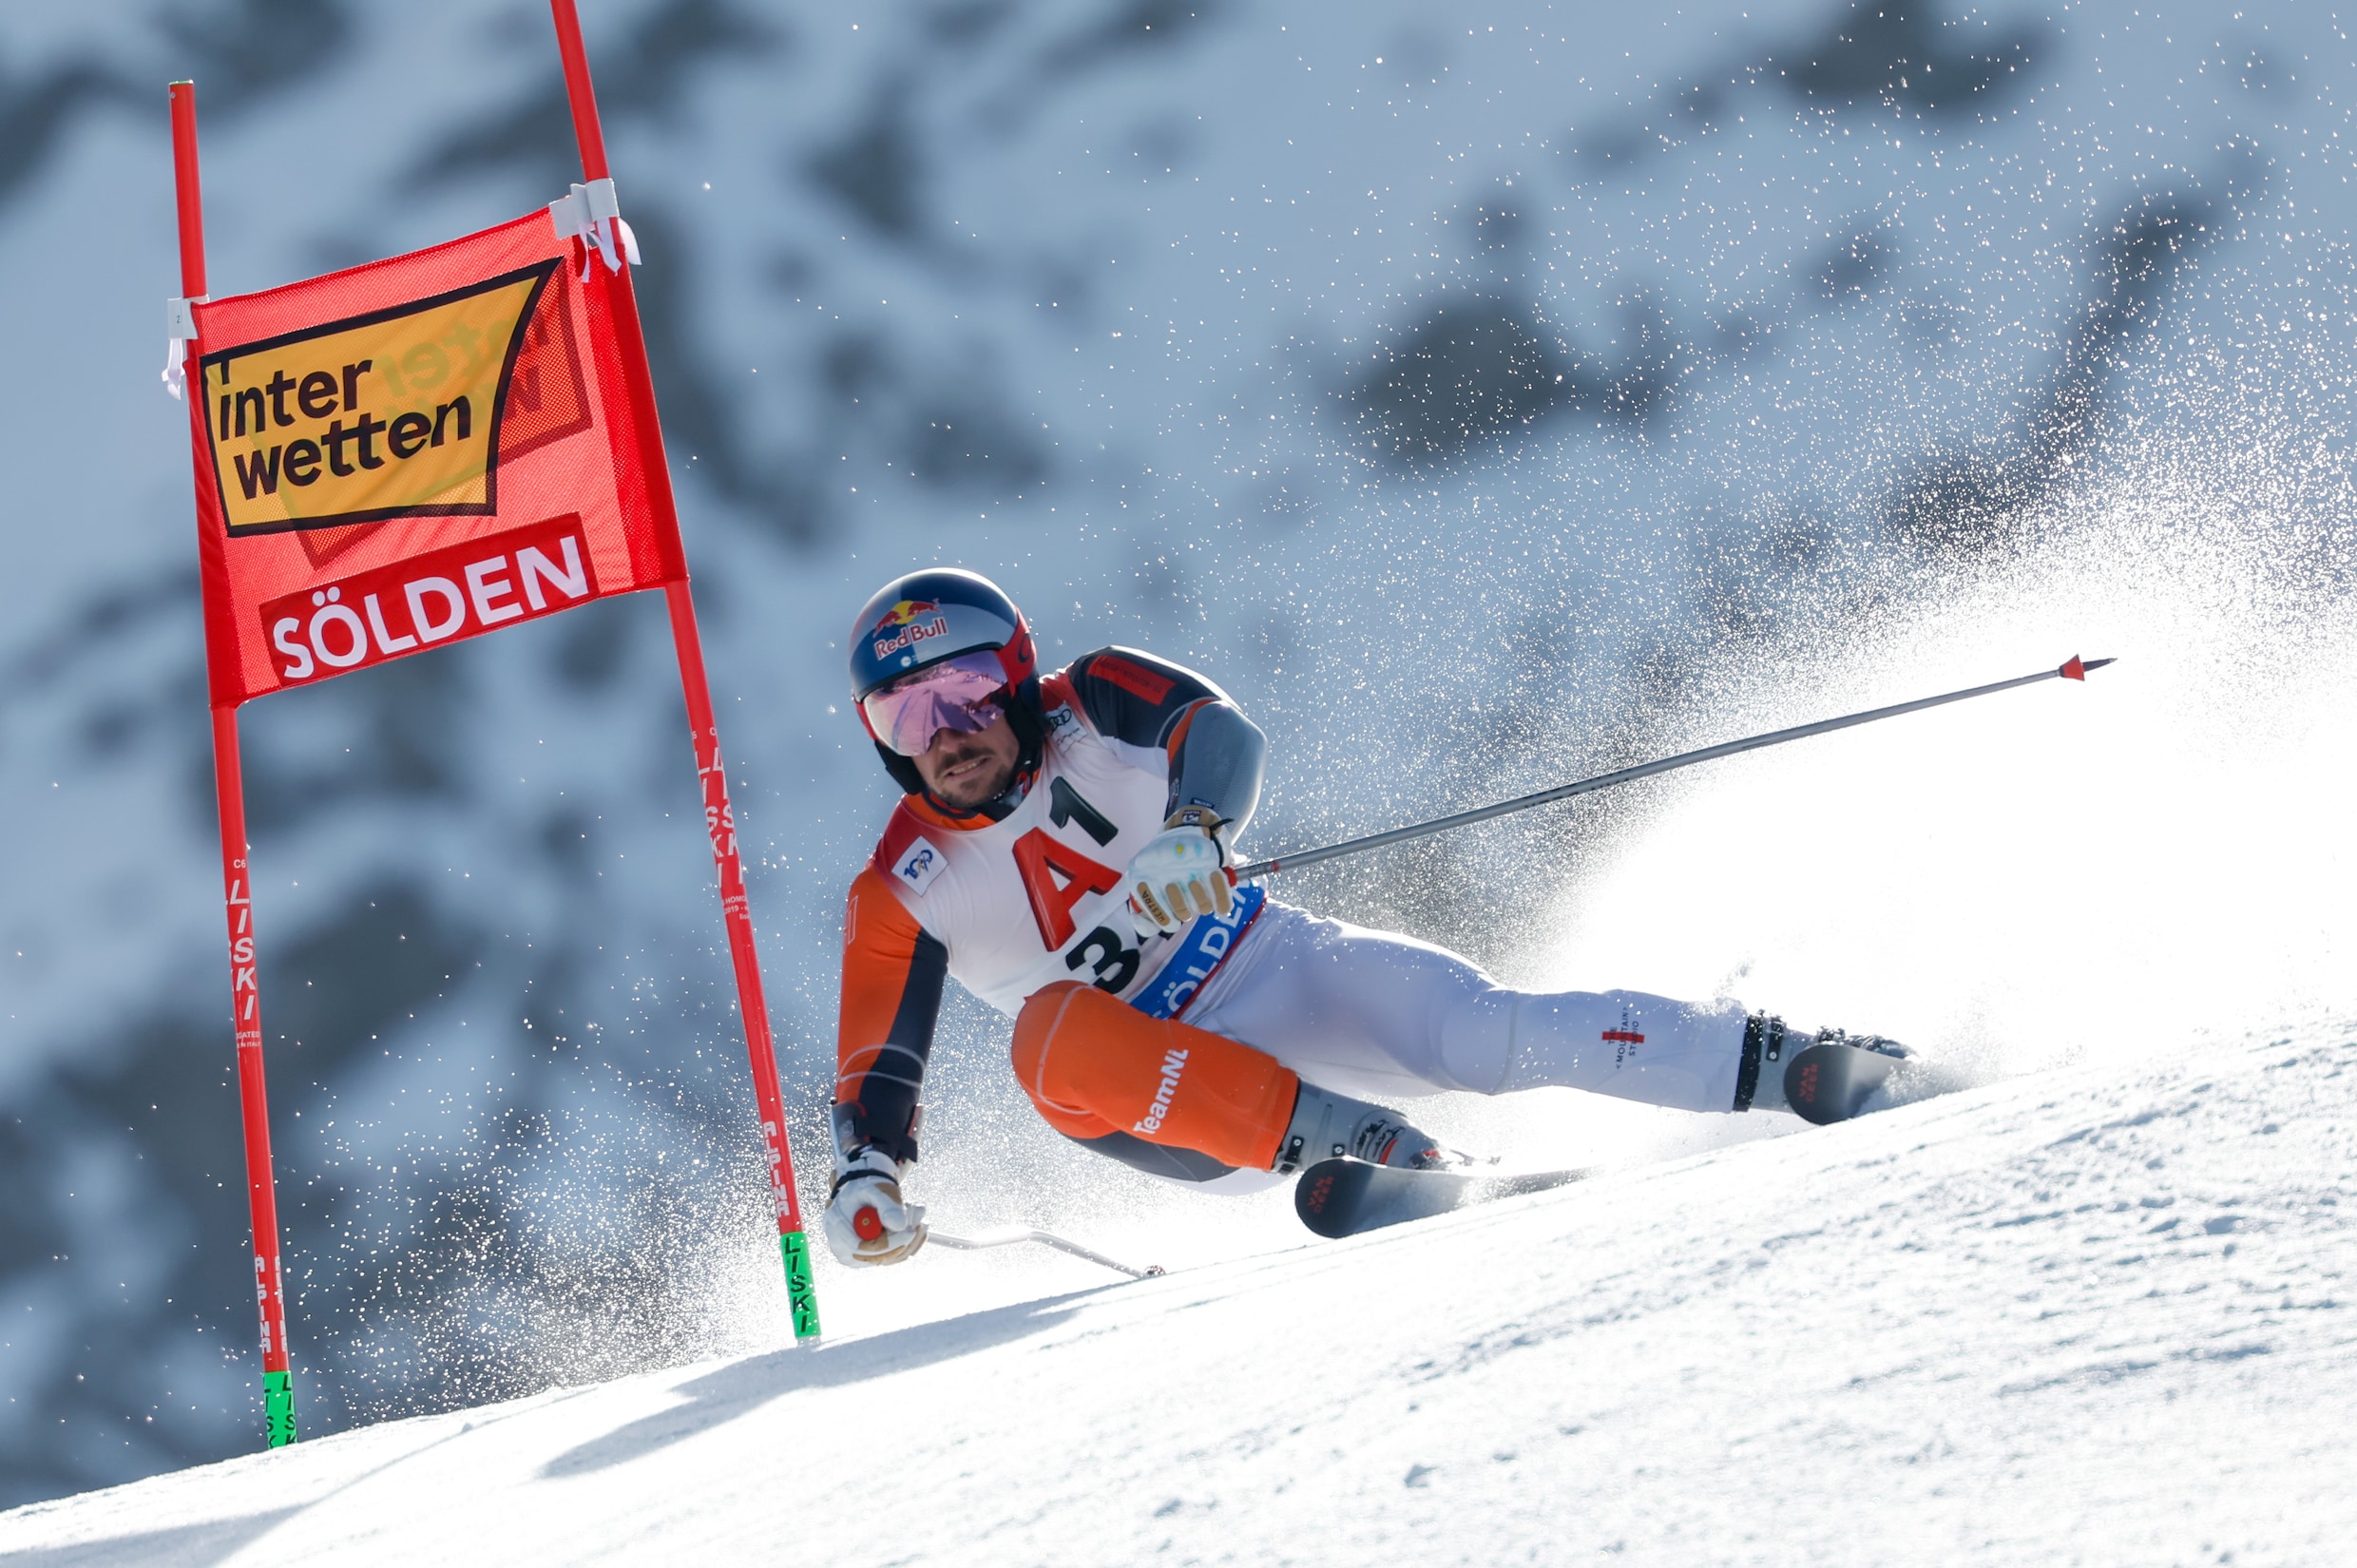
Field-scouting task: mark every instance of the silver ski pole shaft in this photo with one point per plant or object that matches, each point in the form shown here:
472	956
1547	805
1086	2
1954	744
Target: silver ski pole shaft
1008	1235
2074	669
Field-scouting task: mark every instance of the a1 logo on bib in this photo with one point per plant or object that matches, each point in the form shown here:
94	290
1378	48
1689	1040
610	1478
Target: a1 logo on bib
918	866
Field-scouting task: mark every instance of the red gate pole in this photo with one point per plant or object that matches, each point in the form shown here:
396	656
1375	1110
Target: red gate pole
236	878
720	822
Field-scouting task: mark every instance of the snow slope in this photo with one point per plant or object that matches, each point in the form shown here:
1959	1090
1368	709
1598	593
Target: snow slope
2079	1316
1213	329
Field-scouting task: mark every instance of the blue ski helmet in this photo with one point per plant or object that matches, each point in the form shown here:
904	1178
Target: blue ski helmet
938	614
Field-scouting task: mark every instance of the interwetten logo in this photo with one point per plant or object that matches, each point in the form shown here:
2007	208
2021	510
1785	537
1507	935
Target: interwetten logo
395	413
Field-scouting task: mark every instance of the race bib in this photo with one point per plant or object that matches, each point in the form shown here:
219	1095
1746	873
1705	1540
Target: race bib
1202	948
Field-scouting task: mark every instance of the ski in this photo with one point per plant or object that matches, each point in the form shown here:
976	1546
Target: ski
1343	1197
1835	1079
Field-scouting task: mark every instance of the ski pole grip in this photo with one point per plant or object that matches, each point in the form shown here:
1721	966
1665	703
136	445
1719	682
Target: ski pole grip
867	1224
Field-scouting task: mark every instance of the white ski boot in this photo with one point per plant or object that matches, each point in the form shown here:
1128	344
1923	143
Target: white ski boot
1327	1125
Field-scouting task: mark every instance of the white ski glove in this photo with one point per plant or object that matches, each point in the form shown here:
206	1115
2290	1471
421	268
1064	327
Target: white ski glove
1180	873
868	1223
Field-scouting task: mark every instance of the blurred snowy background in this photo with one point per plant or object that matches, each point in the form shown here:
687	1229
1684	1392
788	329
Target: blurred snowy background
1484	393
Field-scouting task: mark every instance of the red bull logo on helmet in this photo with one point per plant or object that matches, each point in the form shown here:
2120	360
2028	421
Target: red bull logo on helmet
903	626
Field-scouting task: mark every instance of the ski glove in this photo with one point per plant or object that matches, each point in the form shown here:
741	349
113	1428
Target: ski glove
867	1222
1180	873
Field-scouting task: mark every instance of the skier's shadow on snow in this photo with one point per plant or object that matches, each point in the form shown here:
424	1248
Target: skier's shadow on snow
724	1395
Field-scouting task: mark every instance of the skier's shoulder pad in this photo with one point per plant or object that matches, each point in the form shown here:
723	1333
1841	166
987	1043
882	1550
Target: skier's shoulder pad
1132	696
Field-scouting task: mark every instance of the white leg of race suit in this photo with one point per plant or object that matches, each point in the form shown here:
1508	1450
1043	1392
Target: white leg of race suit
1384	1016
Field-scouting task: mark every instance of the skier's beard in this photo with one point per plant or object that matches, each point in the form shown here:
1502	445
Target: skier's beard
967	772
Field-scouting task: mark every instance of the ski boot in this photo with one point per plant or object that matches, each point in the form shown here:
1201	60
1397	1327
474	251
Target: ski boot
1830	1075
1327	1125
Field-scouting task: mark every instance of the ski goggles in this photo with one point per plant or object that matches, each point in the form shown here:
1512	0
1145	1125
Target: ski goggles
952	694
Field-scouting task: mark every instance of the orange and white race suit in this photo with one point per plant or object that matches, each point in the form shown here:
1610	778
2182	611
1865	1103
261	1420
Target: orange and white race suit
1182	1054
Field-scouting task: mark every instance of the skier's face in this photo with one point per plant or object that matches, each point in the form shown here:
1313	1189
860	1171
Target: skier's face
964	771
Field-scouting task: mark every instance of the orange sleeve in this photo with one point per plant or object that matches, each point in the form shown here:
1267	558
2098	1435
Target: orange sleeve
892	975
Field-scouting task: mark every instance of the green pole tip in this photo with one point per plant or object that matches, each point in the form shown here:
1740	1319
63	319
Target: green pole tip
801	1294
279	1406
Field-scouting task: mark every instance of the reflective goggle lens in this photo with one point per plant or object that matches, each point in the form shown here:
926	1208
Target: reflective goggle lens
952	694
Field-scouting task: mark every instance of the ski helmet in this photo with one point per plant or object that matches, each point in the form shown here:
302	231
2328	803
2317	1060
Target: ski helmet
929	619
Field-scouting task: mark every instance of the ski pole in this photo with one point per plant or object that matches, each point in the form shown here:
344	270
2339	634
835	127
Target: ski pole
1007	1235
2072	669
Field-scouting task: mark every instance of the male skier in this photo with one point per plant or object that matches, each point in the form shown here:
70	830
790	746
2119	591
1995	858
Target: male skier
1062	851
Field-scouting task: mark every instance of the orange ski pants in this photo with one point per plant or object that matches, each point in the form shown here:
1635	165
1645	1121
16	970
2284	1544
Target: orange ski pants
1096	1066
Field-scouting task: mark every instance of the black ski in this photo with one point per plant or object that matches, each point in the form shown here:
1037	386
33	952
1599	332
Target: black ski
1833	1080
1342	1198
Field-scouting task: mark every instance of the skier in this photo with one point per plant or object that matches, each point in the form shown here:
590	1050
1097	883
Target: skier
1061	850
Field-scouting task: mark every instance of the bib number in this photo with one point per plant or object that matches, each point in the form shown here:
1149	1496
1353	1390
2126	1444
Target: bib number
1115	963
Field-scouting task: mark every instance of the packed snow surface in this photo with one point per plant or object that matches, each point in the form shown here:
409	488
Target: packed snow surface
1484	400
2078	1316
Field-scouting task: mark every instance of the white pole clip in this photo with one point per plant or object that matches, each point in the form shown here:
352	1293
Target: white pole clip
594	213
180	317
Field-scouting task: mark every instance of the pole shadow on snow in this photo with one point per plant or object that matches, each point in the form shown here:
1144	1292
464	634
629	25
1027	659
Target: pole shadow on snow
186	1546
215	1540
722	1396
715	1398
